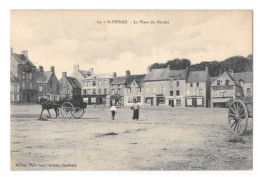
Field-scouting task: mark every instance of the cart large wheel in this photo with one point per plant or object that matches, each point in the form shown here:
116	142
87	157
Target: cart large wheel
238	117
77	112
66	110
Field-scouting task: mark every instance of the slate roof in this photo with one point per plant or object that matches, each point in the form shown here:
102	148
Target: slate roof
21	59
137	78
106	75
43	77
84	73
119	80
73	82
197	76
165	74
247	77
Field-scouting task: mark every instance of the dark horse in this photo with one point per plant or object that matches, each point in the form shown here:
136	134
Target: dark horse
46	104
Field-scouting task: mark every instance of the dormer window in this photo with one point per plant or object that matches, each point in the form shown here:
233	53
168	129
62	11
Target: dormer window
227	82
219	82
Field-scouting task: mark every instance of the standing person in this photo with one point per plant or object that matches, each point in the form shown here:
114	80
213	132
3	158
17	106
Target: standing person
113	112
136	108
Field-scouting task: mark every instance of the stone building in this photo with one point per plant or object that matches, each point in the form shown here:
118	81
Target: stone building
96	88
69	87
23	69
80	74
165	87
223	89
245	80
47	84
198	89
133	90
14	88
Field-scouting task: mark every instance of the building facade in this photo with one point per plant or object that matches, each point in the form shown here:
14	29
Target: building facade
223	89
96	88
245	80
133	90
47	84
69	87
14	89
165	87
198	89
25	71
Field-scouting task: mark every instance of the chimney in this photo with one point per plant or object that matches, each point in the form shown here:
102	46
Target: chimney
207	69
41	68
91	70
149	69
127	73
169	67
231	72
114	74
76	67
25	53
52	69
64	74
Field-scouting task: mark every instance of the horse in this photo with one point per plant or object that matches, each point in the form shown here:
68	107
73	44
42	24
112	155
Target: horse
46	104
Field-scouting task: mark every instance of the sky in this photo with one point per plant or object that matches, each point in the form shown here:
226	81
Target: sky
63	38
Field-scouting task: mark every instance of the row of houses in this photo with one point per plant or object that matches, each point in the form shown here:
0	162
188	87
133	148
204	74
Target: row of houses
157	87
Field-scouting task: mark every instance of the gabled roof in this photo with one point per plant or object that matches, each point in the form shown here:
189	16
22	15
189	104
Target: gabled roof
21	59
73	82
43	77
197	76
13	77
119	80
137	78
84	73
225	75
165	74
100	76
247	77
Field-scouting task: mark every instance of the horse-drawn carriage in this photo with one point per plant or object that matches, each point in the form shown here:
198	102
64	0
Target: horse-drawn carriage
69	108
239	111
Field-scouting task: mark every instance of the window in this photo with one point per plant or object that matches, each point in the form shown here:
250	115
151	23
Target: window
161	89
138	99
118	91
128	90
99	91
23	75
23	85
197	84
99	83
31	76
94	91
93	83
191	85
15	88
84	91
85	84
112	91
227	82
89	84
171	93
177	92
171	83
140	89
88	91
28	76
105	90
177	84
200	92
105	82
219	82
40	88
178	102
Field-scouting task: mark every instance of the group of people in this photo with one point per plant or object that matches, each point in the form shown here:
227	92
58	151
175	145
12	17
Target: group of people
135	107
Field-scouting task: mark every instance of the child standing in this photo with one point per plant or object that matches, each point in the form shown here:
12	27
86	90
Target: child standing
113	112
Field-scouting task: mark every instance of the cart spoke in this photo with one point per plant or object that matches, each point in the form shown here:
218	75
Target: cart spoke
233	123
232	109
235	126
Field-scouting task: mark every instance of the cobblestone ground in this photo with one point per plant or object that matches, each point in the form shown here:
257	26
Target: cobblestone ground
164	138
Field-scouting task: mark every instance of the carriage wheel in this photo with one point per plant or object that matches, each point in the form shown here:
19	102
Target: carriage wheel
66	110
77	112
238	117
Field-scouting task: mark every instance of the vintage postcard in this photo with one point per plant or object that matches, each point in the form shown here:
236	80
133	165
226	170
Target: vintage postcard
131	90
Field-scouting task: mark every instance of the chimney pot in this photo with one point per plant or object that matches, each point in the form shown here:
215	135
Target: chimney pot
114	74
52	69
25	53
41	68
127	73
64	74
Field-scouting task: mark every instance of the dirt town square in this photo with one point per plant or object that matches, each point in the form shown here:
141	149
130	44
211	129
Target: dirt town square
164	138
